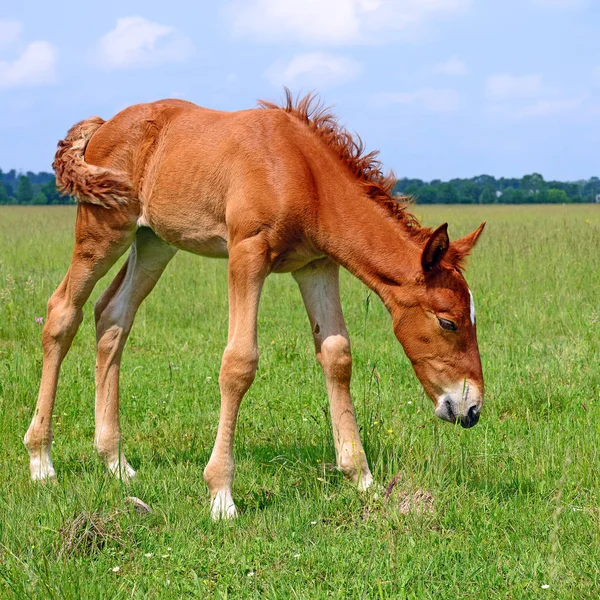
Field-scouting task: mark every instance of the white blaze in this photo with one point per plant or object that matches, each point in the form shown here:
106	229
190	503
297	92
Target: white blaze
472	307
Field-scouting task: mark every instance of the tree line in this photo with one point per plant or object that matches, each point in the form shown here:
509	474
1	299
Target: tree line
30	188
485	189
40	188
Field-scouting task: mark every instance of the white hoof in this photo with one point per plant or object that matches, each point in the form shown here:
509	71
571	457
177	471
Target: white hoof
40	466
222	506
365	481
121	469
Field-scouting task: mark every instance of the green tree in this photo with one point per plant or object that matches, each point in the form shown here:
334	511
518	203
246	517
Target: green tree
39	199
447	194
533	184
24	190
507	196
488	196
49	190
4	197
469	193
555	196
427	195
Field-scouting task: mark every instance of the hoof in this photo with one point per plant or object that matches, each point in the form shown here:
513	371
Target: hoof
365	481
223	507
40	466
47	475
122	470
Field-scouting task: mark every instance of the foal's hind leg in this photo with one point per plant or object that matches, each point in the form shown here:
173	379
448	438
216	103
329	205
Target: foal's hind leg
114	312
101	237
319	285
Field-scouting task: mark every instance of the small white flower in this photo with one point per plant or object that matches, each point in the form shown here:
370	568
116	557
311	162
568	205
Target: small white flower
313	522
409	402
296	556
148	555
168	582
116	569
164	556
545	586
304	419
251	574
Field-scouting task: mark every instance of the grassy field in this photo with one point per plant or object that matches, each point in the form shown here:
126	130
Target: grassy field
499	511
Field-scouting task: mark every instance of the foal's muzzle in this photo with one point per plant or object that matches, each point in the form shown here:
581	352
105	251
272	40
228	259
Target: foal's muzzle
462	407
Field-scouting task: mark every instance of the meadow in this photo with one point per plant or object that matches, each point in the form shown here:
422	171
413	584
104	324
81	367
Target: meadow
508	509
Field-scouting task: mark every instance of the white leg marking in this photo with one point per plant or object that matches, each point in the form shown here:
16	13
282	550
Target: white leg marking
40	465
365	481
472	307
121	469
222	506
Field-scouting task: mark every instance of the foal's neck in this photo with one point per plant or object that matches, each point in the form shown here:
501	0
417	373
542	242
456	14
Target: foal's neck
356	232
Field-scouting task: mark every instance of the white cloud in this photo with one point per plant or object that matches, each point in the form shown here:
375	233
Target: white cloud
136	42
35	66
315	69
9	31
523	97
332	22
504	86
549	108
453	66
430	99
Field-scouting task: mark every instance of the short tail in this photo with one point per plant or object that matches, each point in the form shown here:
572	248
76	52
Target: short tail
85	182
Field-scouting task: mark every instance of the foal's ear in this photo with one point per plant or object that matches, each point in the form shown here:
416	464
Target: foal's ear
435	248
461	248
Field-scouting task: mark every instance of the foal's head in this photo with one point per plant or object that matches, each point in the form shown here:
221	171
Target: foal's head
434	319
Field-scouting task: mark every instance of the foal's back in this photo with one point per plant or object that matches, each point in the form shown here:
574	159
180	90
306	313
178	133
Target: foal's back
201	175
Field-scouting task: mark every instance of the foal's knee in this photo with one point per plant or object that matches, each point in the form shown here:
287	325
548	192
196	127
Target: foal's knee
335	357
238	368
63	320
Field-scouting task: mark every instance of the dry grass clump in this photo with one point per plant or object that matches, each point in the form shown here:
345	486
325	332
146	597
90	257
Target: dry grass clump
89	533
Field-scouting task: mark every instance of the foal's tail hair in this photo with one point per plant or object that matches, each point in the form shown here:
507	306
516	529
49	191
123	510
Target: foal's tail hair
85	182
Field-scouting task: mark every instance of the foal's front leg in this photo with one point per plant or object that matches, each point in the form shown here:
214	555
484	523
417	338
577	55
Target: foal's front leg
248	269
319	285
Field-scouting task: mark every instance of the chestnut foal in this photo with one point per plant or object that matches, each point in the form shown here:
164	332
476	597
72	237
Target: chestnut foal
274	189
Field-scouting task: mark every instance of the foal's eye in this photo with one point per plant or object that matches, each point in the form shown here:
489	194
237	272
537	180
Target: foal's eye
448	325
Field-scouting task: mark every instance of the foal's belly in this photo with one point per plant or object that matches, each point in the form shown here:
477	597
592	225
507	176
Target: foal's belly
210	243
198	228
204	237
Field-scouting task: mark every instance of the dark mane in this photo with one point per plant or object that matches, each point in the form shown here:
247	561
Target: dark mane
349	148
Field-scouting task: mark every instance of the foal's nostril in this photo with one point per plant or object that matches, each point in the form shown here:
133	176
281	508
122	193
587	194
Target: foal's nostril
449	408
471	418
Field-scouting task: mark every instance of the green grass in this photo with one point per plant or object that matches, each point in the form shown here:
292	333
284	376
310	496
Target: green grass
515	500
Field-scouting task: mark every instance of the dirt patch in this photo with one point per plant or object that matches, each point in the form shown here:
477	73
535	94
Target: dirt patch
419	502
405	501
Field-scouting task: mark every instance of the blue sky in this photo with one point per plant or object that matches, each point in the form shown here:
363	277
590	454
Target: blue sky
444	88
